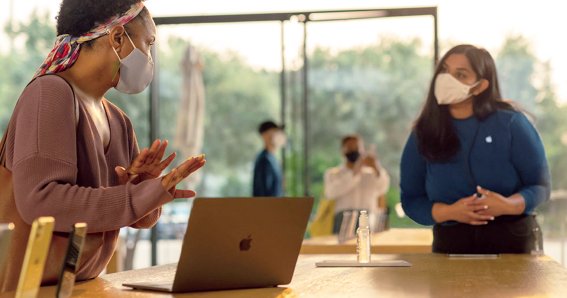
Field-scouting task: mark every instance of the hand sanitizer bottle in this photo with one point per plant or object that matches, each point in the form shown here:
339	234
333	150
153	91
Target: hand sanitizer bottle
537	250
363	238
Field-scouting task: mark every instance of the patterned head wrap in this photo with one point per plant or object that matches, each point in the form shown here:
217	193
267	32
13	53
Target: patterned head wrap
66	49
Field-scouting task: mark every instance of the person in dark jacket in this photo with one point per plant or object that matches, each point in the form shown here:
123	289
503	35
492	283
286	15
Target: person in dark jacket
268	177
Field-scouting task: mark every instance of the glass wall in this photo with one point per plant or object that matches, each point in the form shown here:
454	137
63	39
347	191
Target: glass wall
241	82
239	78
370	83
216	85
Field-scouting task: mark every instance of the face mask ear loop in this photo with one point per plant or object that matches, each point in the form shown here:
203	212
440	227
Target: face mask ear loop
473	86
130	39
117	65
115	52
120	60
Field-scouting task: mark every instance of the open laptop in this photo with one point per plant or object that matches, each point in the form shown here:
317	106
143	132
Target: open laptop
235	243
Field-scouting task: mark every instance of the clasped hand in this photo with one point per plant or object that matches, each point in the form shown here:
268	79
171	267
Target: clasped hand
482	207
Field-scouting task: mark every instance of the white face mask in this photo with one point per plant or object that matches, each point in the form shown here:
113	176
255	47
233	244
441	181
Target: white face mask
279	139
136	71
449	90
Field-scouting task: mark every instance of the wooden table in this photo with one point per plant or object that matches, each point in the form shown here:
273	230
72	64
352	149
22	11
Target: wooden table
432	275
392	241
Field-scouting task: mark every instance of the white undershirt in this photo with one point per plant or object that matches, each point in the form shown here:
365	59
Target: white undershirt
360	191
96	110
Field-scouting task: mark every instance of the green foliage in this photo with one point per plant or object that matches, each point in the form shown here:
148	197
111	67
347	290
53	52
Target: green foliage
553	129
238	98
37	36
374	91
516	64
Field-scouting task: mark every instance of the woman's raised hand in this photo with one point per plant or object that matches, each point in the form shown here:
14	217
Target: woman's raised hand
147	165
178	174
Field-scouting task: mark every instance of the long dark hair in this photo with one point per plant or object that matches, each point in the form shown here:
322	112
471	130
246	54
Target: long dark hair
436	137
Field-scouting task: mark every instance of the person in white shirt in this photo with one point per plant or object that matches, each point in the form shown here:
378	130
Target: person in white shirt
359	183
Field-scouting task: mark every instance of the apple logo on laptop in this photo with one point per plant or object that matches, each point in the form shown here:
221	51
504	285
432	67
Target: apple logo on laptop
245	243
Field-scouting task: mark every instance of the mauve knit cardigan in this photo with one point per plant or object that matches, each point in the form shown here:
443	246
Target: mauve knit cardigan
60	168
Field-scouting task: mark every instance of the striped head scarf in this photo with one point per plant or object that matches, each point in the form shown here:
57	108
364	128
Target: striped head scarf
66	49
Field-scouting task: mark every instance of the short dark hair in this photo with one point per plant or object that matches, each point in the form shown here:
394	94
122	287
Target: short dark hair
267	125
77	17
350	137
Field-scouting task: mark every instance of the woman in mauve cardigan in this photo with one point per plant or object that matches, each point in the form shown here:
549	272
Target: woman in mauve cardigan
73	154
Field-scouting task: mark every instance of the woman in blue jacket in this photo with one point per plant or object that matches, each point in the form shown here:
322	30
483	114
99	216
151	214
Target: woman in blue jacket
474	166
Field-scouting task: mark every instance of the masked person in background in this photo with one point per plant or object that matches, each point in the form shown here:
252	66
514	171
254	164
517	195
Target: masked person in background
72	154
268	176
359	184
474	166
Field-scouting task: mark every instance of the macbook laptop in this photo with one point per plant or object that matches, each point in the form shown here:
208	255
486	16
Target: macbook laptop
235	243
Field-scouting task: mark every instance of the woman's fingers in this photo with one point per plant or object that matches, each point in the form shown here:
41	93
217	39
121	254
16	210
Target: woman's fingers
183	171
184	194
166	162
470	200
484	192
187	168
484	217
122	175
480	218
150	160
153	151
479	207
195	166
192	164
478	223
139	161
167	180
161	151
175	177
